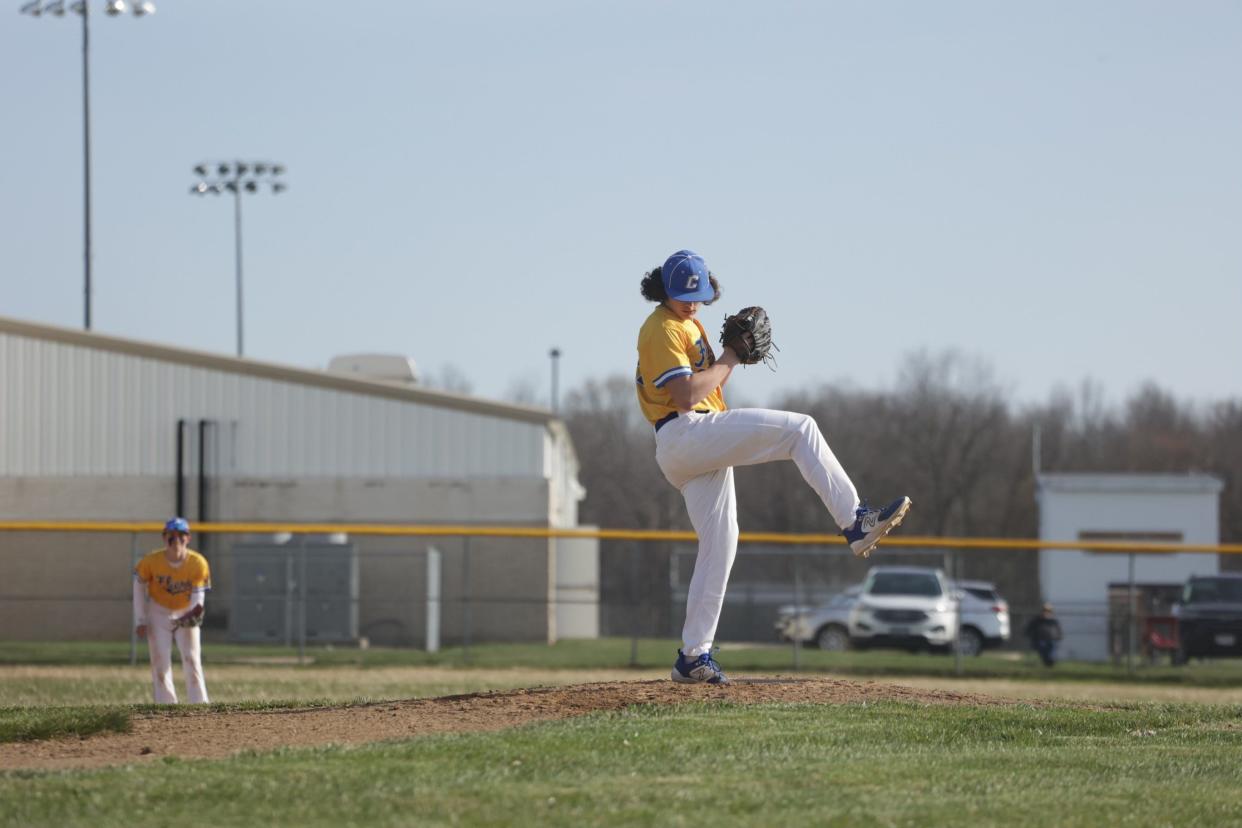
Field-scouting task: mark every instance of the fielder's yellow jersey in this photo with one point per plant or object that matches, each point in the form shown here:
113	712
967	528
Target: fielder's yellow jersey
170	586
670	347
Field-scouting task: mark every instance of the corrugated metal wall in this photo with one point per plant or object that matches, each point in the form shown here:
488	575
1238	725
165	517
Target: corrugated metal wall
68	409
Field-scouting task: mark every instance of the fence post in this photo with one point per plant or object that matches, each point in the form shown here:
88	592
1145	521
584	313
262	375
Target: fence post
1133	621
552	606
797	591
635	608
466	620
957	602
432	644
302	600
289	586
133	632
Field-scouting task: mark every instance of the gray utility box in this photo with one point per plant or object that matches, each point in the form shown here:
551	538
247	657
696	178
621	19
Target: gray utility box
284	591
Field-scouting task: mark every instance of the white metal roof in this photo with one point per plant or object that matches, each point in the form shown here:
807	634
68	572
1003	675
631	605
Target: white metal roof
79	403
1130	483
356	384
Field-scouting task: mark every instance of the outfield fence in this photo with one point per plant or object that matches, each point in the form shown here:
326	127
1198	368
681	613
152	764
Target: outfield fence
305	585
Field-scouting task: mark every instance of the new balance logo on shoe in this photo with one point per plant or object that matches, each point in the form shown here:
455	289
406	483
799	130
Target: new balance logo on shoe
870	525
700	670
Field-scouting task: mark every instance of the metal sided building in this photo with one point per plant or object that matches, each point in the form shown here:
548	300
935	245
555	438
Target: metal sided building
1090	590
98	428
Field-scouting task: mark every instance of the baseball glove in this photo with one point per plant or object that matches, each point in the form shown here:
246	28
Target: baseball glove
749	333
193	618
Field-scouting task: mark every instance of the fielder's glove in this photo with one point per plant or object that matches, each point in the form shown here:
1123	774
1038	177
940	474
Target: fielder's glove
749	334
193	618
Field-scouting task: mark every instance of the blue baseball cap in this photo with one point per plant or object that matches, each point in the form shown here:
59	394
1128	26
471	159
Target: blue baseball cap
686	277
178	524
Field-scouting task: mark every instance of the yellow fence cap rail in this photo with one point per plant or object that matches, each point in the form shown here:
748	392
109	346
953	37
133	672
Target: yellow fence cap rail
483	531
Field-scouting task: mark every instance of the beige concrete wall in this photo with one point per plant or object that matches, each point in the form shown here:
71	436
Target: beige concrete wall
577	587
55	587
65	586
326	500
86	498
320	500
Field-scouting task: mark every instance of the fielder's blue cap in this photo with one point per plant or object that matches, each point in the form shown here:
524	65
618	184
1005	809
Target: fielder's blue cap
178	524
686	277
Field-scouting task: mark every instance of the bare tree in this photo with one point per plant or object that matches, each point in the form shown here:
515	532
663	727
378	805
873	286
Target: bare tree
625	489
947	435
525	391
449	378
1224	442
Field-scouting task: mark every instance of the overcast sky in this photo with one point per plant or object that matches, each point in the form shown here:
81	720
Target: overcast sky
1053	187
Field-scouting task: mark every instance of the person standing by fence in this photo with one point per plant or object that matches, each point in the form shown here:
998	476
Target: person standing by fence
1044	631
170	588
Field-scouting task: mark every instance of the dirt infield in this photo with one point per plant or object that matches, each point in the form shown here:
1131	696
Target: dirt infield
210	734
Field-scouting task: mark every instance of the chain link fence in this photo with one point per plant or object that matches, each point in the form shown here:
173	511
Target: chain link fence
300	590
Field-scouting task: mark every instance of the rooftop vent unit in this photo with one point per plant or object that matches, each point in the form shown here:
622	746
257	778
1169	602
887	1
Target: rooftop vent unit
383	367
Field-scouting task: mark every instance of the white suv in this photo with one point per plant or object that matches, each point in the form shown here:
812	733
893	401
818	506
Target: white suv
985	617
825	626
904	606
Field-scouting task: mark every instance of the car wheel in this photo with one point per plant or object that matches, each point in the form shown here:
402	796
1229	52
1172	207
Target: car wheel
970	642
833	639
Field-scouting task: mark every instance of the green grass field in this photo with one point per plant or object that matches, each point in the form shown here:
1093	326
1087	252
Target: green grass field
886	764
1119	762
621	653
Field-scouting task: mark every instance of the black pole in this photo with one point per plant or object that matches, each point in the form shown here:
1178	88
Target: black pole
202	470
180	468
555	354
86	156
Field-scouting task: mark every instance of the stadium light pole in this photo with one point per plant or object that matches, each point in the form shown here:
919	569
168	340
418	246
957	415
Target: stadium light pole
237	177
112	8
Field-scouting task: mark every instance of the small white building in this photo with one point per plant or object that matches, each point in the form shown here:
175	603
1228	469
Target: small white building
1166	508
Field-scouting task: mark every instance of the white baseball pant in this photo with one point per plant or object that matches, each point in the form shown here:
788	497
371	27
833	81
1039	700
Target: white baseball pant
697	453
160	637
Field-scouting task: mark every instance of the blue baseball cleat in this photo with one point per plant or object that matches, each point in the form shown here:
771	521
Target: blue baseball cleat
700	670
870	525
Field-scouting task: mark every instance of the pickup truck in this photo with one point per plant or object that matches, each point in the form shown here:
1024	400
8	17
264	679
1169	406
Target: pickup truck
1209	617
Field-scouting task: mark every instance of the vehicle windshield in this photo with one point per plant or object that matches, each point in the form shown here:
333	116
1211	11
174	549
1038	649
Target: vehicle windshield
841	599
1213	591
904	583
983	594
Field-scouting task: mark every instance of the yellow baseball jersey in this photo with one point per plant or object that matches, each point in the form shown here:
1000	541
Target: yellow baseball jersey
170	586
670	347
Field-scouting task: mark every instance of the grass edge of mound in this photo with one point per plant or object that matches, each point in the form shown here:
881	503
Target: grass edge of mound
29	724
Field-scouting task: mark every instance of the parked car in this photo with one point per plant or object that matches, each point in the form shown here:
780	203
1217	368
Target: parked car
1209	617
825	626
904	606
985	617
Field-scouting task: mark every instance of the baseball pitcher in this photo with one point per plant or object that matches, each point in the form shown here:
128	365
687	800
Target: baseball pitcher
699	440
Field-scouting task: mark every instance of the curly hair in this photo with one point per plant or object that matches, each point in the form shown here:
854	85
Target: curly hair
653	287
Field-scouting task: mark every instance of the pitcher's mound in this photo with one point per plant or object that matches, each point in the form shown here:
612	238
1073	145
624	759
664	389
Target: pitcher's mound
209	734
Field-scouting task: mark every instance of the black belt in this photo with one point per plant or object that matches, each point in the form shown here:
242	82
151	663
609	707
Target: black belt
659	424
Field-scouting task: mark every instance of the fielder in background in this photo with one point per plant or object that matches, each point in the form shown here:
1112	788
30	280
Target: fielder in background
699	440
170	590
